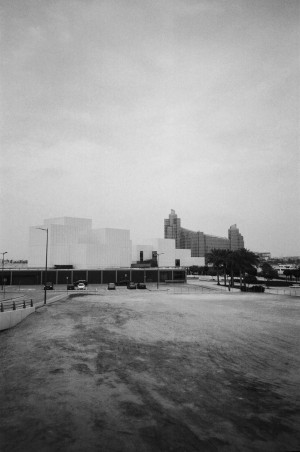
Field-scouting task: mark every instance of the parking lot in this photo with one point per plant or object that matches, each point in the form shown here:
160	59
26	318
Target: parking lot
154	370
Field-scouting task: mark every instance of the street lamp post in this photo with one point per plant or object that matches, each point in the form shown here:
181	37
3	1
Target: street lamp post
5	252
46	265
158	254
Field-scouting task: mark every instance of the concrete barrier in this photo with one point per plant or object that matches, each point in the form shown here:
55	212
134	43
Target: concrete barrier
9	319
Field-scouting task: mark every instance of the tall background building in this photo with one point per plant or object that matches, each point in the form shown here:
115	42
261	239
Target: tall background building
172	228
198	242
235	238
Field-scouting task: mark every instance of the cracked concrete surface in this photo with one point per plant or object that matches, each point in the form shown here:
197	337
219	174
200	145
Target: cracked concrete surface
153	371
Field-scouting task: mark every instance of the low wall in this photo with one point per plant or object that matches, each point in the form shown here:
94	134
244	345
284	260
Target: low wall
11	318
30	277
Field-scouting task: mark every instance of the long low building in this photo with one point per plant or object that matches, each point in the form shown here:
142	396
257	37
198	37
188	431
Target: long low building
93	276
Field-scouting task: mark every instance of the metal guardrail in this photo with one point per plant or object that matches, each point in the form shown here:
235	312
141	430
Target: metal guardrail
15	303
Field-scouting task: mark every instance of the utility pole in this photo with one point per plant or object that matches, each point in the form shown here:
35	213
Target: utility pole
46	265
5	252
158	254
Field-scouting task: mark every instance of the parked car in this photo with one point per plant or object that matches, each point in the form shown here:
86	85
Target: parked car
81	286
141	285
49	286
111	286
84	281
123	282
131	285
70	287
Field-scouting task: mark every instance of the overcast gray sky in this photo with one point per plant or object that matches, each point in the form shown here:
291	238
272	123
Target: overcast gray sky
120	110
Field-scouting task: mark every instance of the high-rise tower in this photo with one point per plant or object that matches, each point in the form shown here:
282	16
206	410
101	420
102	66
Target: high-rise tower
198	242
235	238
172	228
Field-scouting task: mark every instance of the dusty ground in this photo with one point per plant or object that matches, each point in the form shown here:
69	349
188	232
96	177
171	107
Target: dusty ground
141	371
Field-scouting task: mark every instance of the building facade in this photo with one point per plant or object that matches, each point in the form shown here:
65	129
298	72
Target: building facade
72	241
282	267
265	255
236	240
167	254
198	242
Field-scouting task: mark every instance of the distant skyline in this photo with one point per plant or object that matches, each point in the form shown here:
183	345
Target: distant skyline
120	111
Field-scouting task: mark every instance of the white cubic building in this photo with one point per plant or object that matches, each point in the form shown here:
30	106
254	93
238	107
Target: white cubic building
186	260
168	254
72	241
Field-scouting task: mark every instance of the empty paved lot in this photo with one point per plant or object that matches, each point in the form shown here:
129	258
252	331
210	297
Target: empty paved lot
142	371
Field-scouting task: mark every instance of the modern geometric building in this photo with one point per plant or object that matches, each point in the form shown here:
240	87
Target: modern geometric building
168	254
72	241
198	242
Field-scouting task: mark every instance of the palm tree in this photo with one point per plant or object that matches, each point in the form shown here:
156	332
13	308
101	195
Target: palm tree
231	266
217	257
226	264
243	260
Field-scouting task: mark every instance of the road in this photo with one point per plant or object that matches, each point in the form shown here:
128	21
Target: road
153	371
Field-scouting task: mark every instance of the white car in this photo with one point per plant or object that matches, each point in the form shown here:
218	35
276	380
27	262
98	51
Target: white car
81	286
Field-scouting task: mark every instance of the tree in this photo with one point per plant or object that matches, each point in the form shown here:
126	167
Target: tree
227	265
217	258
205	270
212	272
296	273
268	272
288	274
232	264
245	261
250	279
194	269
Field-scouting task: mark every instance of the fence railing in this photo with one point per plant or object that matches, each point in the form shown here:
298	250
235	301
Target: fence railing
193	289
287	291
15	303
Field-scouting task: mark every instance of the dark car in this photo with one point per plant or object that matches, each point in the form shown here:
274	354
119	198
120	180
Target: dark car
141	285
49	286
123	282
70	287
131	285
111	286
